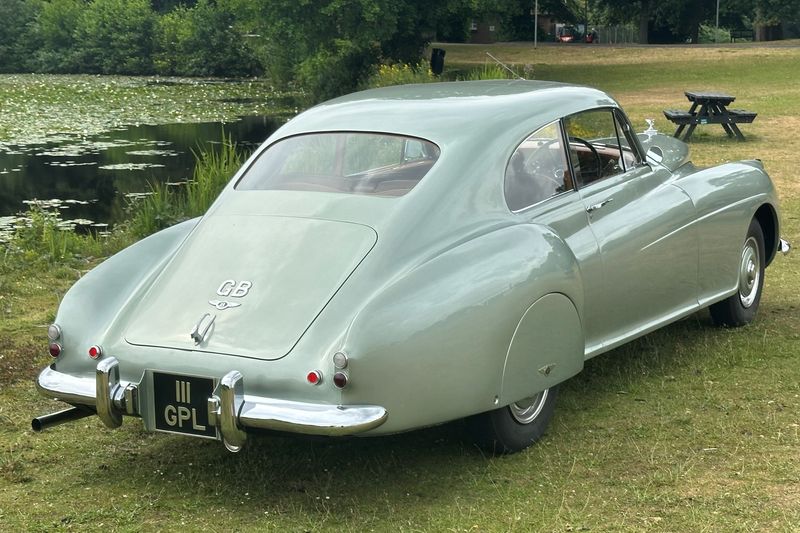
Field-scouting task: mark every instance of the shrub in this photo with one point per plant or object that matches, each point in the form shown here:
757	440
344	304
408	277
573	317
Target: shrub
400	74
710	34
55	28
115	37
16	42
331	72
490	71
202	41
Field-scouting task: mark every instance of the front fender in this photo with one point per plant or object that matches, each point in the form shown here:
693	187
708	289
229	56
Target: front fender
726	199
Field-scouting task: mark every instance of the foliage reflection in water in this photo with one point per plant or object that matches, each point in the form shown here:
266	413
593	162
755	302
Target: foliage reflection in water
90	177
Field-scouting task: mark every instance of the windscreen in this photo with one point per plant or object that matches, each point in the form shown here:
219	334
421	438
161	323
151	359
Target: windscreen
351	163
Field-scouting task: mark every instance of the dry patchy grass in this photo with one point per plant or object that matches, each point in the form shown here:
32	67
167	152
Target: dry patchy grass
691	428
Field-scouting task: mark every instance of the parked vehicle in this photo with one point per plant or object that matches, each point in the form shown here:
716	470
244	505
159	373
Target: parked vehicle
407	256
568	34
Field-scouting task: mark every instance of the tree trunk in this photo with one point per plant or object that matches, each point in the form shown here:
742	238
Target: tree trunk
644	22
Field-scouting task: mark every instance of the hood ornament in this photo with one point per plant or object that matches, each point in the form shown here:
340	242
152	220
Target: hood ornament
222	305
201	329
651	130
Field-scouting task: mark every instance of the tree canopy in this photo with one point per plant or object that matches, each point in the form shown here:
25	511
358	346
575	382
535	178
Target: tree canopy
327	47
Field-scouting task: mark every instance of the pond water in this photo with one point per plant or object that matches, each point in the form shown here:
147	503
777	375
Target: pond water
90	177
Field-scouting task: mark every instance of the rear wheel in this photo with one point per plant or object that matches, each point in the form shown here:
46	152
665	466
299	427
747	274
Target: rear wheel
740	308
514	427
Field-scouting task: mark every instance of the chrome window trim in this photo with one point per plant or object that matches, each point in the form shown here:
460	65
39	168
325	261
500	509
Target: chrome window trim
560	127
630	136
540	202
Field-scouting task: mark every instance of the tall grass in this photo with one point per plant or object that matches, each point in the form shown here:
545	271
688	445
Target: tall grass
166	205
42	236
213	171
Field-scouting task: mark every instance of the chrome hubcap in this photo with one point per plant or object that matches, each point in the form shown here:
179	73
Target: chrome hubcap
525	411
749	273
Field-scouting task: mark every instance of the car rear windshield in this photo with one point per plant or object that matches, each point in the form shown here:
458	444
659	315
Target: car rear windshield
353	163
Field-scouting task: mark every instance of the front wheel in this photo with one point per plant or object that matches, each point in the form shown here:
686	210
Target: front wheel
740	309
514	427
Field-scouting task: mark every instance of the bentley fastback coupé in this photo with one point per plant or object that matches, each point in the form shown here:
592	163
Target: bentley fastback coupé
407	256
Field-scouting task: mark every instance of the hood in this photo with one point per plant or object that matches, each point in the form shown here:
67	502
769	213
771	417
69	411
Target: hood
248	285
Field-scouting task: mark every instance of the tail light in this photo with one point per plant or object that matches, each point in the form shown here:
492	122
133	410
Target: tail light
314	377
340	360
54	349
340	380
95	351
54	332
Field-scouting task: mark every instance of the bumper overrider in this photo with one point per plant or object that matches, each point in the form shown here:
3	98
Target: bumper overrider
230	410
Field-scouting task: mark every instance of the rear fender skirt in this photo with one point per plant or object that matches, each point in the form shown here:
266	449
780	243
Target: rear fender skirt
546	349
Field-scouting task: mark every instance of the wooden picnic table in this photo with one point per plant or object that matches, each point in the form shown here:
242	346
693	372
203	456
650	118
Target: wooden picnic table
709	108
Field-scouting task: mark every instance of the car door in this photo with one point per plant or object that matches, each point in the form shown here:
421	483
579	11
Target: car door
643	226
540	188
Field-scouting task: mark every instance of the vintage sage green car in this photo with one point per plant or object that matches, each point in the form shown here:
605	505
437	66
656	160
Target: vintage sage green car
406	256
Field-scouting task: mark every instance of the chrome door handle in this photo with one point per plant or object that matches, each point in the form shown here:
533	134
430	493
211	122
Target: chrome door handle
595	207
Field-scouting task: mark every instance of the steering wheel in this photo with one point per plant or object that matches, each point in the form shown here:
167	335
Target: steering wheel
547	163
595	173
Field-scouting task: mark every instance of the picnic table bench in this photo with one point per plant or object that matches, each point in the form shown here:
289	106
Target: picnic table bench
709	108
741	34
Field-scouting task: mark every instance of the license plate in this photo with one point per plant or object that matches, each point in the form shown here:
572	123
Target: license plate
181	404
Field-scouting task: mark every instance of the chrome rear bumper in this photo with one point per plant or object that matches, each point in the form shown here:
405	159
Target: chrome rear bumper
229	409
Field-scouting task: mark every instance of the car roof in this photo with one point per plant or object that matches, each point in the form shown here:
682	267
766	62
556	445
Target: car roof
445	112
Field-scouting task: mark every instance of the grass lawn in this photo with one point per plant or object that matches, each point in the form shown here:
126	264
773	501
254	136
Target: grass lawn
692	428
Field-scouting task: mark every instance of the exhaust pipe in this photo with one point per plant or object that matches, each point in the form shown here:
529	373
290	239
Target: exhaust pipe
40	423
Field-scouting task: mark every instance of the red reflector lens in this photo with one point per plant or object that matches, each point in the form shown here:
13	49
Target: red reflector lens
340	380
314	377
95	352
55	349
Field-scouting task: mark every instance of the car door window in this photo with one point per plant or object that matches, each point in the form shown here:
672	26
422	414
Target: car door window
537	169
594	145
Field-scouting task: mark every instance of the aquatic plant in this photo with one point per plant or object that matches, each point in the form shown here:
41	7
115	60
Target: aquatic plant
212	172
42	235
169	203
71	108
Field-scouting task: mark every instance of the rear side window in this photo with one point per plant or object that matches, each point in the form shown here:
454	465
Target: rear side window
537	169
352	163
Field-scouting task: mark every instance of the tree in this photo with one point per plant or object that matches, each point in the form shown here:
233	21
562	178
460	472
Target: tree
16	41
55	32
678	20
331	46
115	37
202	41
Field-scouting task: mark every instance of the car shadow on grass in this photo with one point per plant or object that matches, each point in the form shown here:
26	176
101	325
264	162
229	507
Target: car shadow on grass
330	476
